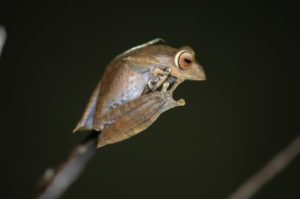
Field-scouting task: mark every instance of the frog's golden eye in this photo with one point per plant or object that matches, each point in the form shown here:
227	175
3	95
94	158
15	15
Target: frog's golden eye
184	60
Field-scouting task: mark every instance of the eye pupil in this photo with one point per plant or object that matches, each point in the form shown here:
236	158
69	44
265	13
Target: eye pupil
188	61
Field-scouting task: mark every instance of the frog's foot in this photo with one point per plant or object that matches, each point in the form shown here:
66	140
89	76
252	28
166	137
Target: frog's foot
158	76
156	82
180	102
170	102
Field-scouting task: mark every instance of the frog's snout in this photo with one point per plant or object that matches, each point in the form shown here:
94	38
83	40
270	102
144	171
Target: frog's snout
198	74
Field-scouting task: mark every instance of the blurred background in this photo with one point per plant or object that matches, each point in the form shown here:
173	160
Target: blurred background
245	113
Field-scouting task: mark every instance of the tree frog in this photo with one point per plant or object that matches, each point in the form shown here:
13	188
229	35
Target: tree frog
138	71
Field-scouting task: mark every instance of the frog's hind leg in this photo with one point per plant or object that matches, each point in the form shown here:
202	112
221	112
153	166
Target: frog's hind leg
132	118
136	116
86	121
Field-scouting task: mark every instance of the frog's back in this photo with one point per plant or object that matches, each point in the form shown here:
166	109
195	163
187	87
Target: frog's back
123	81
120	83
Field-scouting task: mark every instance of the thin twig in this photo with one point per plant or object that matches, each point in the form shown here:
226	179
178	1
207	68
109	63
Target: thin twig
270	170
55	182
2	38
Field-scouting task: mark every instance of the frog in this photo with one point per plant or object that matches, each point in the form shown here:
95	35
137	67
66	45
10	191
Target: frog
138	71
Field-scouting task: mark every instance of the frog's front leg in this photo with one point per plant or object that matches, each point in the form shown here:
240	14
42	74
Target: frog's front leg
158	76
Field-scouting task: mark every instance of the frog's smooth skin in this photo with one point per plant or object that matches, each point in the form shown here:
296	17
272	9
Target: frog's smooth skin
139	70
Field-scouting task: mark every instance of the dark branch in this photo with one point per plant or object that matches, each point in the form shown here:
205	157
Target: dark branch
269	171
56	182
3	36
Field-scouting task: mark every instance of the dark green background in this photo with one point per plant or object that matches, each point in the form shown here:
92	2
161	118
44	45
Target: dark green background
232	125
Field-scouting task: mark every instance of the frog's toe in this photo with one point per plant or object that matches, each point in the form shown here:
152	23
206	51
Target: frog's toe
165	87
152	85
167	70
181	102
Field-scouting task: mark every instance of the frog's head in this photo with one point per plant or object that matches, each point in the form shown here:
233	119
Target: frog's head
186	66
